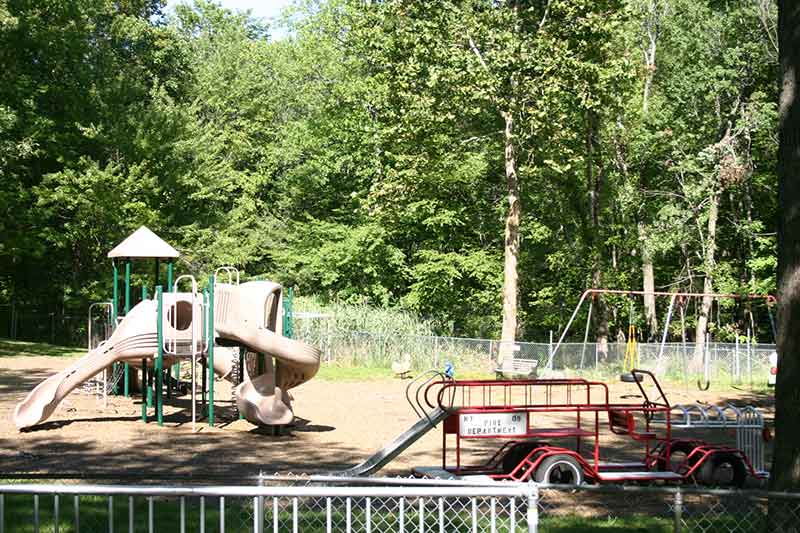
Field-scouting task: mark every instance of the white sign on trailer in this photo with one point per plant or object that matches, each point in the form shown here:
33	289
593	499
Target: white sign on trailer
492	424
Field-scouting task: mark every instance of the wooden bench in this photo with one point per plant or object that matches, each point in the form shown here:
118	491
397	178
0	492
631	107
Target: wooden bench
517	367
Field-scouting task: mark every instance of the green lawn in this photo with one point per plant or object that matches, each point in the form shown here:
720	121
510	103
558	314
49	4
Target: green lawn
9	348
332	372
312	517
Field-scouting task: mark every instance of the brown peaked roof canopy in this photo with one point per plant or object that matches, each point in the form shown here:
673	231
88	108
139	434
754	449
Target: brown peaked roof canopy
143	243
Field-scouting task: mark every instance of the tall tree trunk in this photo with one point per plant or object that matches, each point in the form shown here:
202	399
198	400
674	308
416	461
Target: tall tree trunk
785	473
512	242
594	181
652	22
709	262
648	285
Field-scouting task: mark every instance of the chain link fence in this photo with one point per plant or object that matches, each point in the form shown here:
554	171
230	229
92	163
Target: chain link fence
307	508
312	504
730	363
726	363
36	325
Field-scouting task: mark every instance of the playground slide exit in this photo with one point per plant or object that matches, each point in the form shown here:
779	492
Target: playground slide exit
247	314
134	338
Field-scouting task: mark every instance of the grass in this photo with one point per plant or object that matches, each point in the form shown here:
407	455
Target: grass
333	372
94	515
354	372
9	348
330	372
578	524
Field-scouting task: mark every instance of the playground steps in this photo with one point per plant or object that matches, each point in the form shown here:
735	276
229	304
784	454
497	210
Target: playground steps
639	476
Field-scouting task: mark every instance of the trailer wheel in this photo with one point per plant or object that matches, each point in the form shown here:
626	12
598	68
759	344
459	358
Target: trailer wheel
516	454
681	450
559	469
723	470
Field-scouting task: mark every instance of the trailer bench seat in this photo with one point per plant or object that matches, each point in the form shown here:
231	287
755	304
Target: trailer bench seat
623	423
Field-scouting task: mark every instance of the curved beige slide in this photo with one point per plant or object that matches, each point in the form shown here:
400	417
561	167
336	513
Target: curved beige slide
134	338
249	314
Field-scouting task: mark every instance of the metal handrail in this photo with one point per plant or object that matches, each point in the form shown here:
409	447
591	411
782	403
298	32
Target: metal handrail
428	376
230	270
110	306
196	350
511	384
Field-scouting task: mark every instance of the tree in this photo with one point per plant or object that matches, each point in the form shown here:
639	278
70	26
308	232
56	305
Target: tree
785	473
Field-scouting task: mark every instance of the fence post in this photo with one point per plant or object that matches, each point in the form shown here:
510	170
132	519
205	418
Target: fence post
533	508
678	509
258	512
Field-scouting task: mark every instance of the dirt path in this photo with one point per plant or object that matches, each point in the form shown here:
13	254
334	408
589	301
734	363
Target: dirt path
340	424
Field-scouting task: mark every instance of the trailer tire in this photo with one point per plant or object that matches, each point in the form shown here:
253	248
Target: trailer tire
516	454
559	469
723	469
685	448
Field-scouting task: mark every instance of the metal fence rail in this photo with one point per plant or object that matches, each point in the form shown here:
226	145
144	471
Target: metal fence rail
237	508
320	504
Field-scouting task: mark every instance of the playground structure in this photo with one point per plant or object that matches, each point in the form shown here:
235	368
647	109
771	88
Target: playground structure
192	326
678	304
510	411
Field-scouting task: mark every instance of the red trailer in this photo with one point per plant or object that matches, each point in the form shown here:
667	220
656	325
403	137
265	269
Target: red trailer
571	449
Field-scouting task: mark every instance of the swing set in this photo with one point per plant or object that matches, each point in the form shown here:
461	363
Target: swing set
679	301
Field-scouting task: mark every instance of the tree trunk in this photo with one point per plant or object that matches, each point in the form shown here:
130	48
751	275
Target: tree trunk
651	27
785	473
594	181
512	243
708	281
648	285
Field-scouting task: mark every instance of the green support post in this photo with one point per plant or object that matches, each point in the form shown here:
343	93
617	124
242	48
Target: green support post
146	376
115	294
211	351
176	368
288	326
160	358
127	286
241	375
148	385
125	385
204	360
145	390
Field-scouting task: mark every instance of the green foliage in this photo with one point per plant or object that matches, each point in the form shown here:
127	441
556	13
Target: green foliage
361	158
337	318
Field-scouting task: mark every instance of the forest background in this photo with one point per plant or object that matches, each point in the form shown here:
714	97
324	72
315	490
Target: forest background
399	154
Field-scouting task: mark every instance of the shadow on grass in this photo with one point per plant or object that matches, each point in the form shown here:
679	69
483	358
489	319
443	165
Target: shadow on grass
9	348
